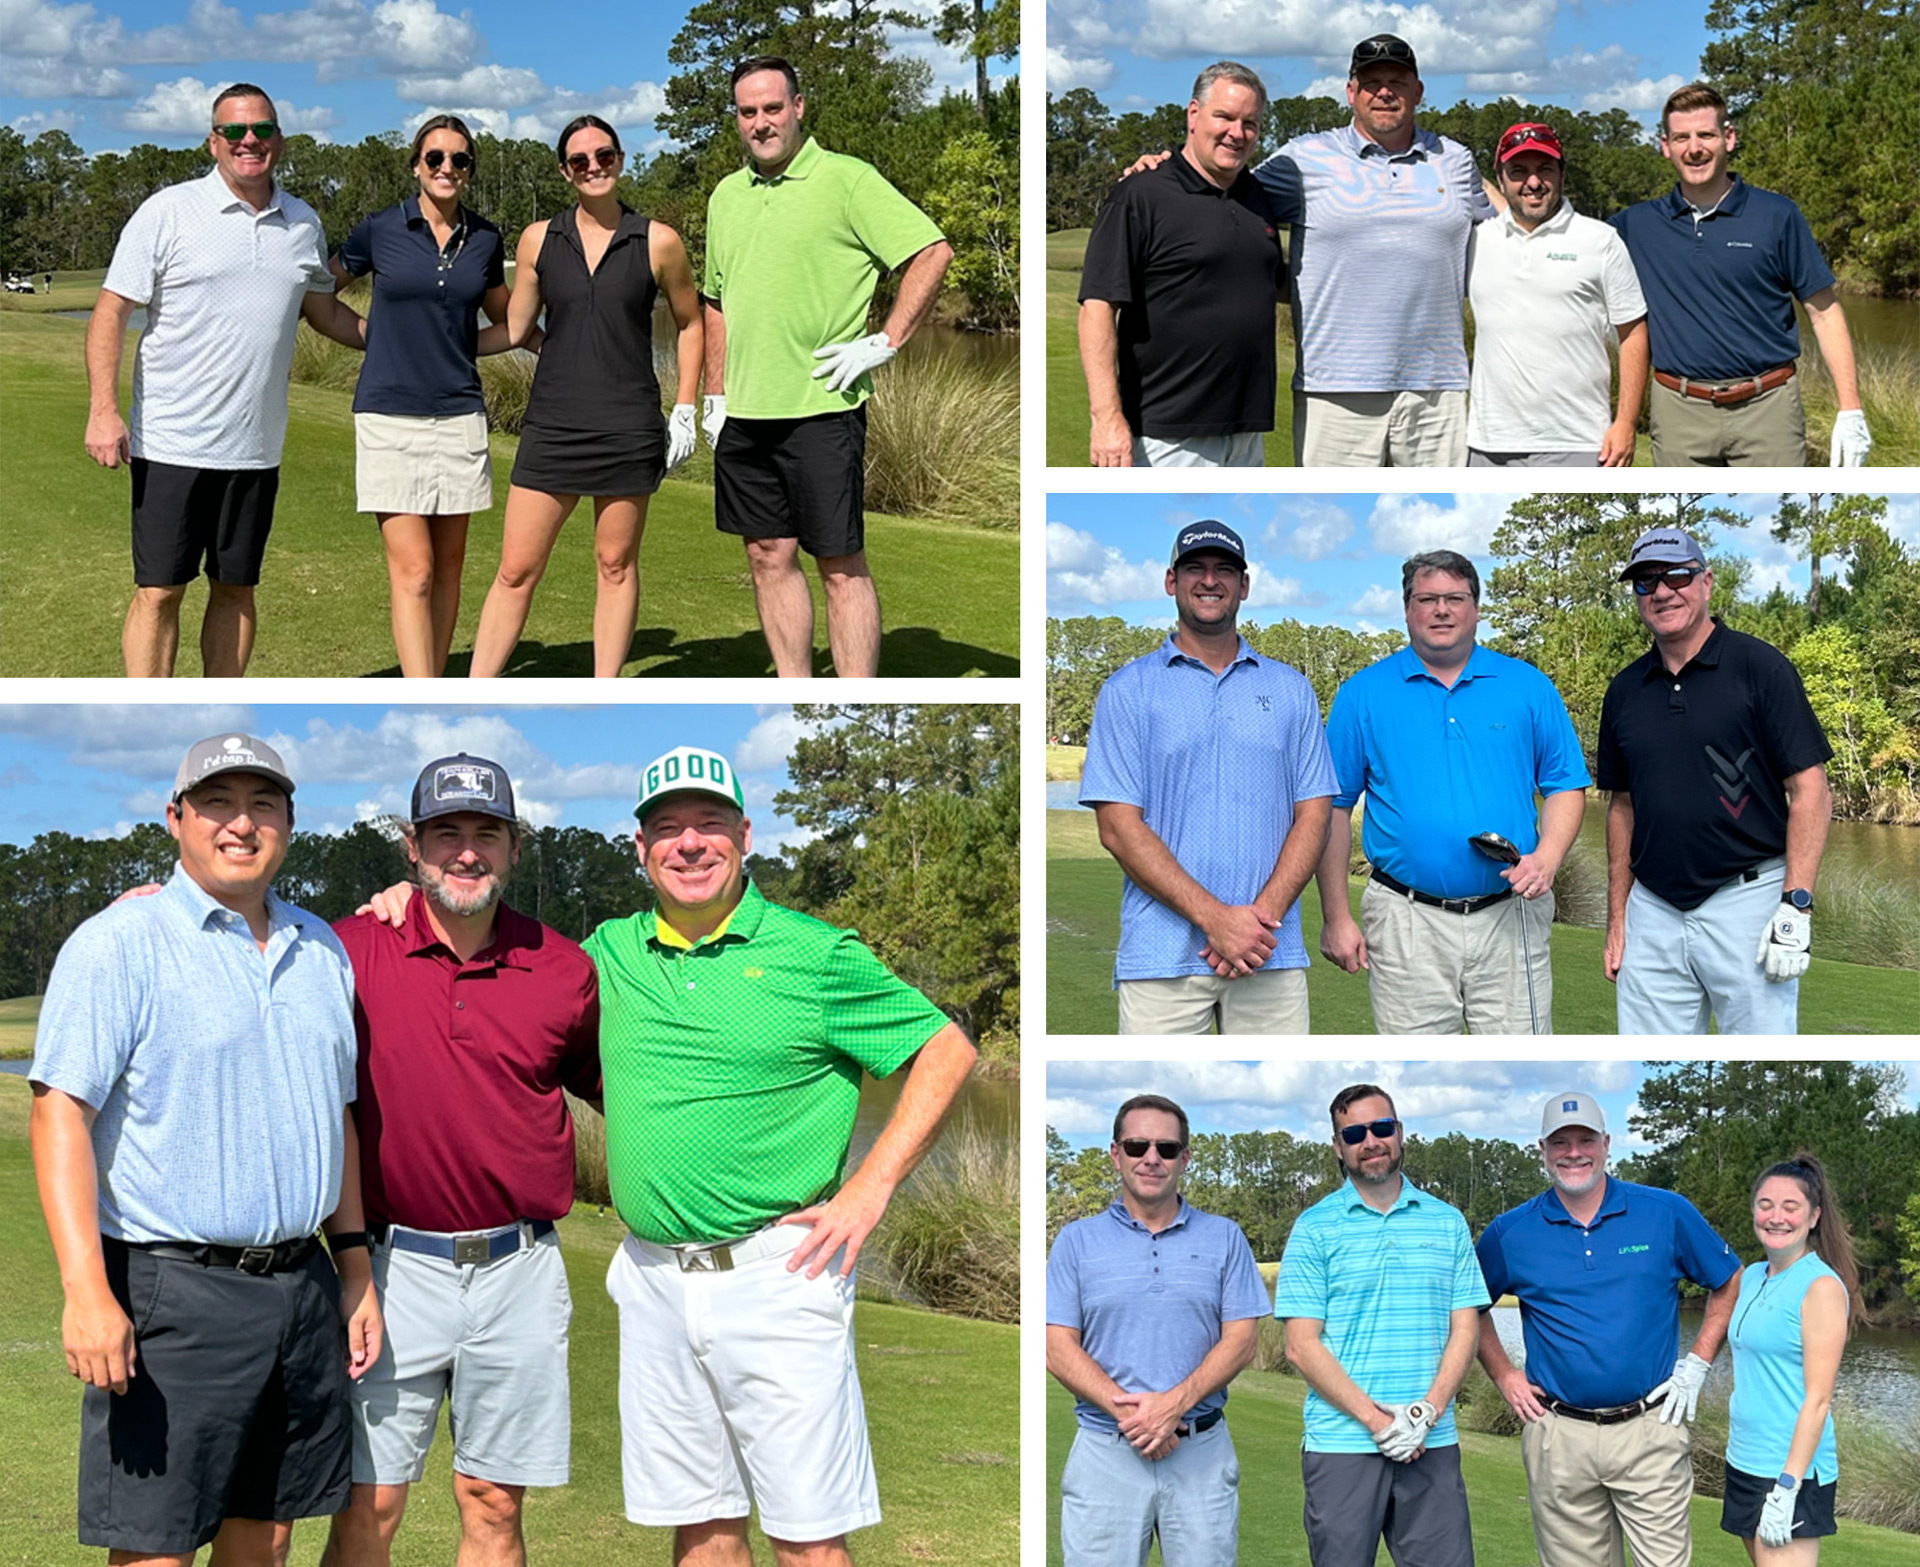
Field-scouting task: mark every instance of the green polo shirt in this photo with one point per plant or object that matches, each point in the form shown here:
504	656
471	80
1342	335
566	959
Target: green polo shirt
732	1067
793	261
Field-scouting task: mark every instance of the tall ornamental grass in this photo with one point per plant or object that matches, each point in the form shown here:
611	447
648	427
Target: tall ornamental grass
951	1235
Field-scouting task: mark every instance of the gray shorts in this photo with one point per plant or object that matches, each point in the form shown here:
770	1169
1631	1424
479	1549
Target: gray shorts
1354	1500
1476	458
493	1338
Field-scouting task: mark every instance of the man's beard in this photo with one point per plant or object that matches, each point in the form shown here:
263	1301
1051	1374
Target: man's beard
465	904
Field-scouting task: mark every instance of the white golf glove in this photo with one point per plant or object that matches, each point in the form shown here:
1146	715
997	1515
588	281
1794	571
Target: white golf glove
1776	1517
713	417
1411	1422
679	435
1786	944
1851	441
844	363
1682	1389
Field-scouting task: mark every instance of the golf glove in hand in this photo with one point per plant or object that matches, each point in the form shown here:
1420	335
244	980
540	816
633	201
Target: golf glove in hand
679	435
1851	441
713	417
1786	944
1402	1439
1776	1517
844	363
1682	1389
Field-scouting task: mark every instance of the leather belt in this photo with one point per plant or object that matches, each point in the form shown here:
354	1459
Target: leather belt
1723	394
282	1258
1451	905
1603	1417
1205	1423
483	1246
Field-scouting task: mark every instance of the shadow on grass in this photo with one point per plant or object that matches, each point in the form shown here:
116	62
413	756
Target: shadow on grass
912	650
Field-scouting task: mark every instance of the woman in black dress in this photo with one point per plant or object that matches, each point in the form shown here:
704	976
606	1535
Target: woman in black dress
593	424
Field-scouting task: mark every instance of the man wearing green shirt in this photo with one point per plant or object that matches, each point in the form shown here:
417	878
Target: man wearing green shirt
733	1038
796	241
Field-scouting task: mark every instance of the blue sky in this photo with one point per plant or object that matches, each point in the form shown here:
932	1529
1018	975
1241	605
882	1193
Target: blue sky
1329	559
96	770
1590	55
119	73
1479	1098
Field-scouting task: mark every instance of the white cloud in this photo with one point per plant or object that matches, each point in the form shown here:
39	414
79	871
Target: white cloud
1406	524
1081	570
183	108
28	77
1903	519
1449	38
1309	529
1268	589
1375	601
1067	71
767	745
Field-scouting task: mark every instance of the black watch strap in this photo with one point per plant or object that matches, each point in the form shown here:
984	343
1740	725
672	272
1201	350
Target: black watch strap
1799	897
347	1240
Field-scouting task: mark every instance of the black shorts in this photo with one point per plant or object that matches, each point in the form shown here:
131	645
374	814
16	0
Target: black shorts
182	516
1747	1494
237	1407
802	479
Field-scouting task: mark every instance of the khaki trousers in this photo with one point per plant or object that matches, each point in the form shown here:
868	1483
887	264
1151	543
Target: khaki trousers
1587	1485
1433	972
1267	1001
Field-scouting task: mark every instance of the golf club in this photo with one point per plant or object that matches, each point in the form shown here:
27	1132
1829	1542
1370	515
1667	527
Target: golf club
1495	847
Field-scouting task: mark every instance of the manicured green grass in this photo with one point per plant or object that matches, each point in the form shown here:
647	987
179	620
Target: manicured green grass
1263	1412
939	1393
71	291
1083	927
18	1018
1064	762
949	593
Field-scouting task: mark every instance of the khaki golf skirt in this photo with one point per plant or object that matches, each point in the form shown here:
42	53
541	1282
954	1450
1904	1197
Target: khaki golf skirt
429	467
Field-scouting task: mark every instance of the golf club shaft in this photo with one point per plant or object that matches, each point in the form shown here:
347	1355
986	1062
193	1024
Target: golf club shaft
1526	956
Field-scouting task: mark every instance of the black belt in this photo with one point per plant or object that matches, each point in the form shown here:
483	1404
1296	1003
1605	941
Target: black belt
1204	1423
482	1246
1603	1417
1451	905
283	1258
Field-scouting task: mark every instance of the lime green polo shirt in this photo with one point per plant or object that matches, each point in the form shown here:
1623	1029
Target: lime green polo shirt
732	1067
793	261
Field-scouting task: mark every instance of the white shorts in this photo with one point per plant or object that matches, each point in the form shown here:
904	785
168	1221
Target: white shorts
738	1389
493	1336
426	467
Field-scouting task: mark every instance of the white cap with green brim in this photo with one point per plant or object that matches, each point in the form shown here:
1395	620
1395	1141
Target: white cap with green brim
687	769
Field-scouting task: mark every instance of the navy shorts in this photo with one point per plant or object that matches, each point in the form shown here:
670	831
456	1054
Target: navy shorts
802	479
184	516
1747	1494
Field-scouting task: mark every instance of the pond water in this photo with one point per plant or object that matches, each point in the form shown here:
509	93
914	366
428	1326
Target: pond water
990	1104
1881	323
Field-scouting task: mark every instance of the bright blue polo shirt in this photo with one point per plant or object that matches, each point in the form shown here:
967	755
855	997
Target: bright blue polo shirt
1769	1372
1720	287
1148	1304
1439	764
1600	1303
1215	763
1385	1286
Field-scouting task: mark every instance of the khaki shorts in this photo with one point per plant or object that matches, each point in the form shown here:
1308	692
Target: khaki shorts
1379	429
1267	1001
425	467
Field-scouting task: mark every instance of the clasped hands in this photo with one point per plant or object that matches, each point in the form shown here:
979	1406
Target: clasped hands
1240	938
1150	1422
1404	1437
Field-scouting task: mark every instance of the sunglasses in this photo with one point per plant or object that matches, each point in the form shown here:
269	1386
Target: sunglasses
1136	1147
1520	135
603	158
1376	49
1353	1136
433	157
1676	579
263	130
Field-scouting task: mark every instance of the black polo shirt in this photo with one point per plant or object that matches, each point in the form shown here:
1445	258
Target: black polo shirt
423	332
1194	272
1704	754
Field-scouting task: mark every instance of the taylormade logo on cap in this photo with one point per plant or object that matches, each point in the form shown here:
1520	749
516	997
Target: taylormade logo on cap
687	768
1204	536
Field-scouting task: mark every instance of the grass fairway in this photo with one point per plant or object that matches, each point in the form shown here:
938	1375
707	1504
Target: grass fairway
1083	928
1264	1415
18	1019
939	1395
949	593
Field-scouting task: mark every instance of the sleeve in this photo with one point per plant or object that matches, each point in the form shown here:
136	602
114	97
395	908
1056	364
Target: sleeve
85	1037
141	251
1610	763
1492	1258
871	1016
1805	269
1063	1282
1116	750
884	221
1314	777
1469	1283
1107	270
713	284
580	1063
1346	747
1701	1254
319	274
1280	177
1243	1292
1625	301
1463	173
1300	1289
356	250
1618	223
1557	762
1795	739
497	260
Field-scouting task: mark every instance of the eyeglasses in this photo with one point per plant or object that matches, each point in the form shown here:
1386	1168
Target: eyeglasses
1676	579
1166	1147
1353	1136
433	157
1520	135
263	130
603	158
1432	601
1372	50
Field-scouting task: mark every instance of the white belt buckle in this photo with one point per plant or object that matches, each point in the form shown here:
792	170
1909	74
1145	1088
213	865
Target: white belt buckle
704	1259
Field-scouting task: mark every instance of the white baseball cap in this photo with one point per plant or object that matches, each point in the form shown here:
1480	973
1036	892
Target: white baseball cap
1572	1108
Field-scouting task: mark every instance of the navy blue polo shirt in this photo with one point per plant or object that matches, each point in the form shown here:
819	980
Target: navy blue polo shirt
1720	287
1148	1304
423	331
1600	1302
1704	754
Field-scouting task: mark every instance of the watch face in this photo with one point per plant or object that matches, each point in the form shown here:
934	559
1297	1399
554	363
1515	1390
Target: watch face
1800	898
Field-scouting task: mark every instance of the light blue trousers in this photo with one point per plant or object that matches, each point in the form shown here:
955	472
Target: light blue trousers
1679	966
1113	1502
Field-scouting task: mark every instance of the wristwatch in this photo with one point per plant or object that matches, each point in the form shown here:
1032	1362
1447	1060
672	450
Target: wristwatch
1800	898
1788	1482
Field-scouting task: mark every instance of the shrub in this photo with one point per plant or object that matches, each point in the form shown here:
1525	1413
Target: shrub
951	1235
943	439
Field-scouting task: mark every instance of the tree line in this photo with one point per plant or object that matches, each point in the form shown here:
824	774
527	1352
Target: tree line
915	808
1555	601
1712	1126
956	157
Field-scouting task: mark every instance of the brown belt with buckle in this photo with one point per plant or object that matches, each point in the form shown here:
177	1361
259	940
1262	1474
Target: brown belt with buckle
1723	394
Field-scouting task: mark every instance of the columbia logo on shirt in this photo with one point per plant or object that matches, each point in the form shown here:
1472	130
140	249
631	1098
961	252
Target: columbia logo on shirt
1739	244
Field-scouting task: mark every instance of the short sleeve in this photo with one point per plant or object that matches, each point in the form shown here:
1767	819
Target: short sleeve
1301	1288
1314	776
713	283
1804	268
1703	1256
1469	1284
1063	1281
1610	763
86	1032
872	1016
1625	302
1243	1293
1795	739
140	252
1107	269
1557	761
580	1059
1491	1255
1463	174
884	221
1280	177
1346	748
1116	750
319	274
356	250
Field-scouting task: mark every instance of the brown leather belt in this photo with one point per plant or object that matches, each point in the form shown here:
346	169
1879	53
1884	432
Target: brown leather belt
1723	394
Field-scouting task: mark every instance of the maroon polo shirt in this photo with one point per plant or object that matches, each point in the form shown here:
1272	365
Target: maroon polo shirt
461	1119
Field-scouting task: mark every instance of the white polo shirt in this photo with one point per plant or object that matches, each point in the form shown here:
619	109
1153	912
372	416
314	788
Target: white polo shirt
1545	306
223	286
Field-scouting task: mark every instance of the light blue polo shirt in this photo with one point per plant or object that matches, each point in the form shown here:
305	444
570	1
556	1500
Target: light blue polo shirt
1215	763
1600	1303
1439	764
1385	1286
1769	1372
1148	1304
220	1073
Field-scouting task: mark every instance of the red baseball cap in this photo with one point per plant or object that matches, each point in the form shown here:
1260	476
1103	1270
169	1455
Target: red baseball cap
1528	137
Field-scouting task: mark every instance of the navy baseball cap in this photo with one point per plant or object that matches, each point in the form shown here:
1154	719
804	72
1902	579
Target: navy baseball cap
1663	547
1197	537
463	783
229	753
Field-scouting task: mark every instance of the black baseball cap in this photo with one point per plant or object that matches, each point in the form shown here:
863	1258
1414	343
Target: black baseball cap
1382	49
463	783
1663	547
1200	537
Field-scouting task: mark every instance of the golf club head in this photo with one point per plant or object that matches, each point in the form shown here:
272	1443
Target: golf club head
1495	847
